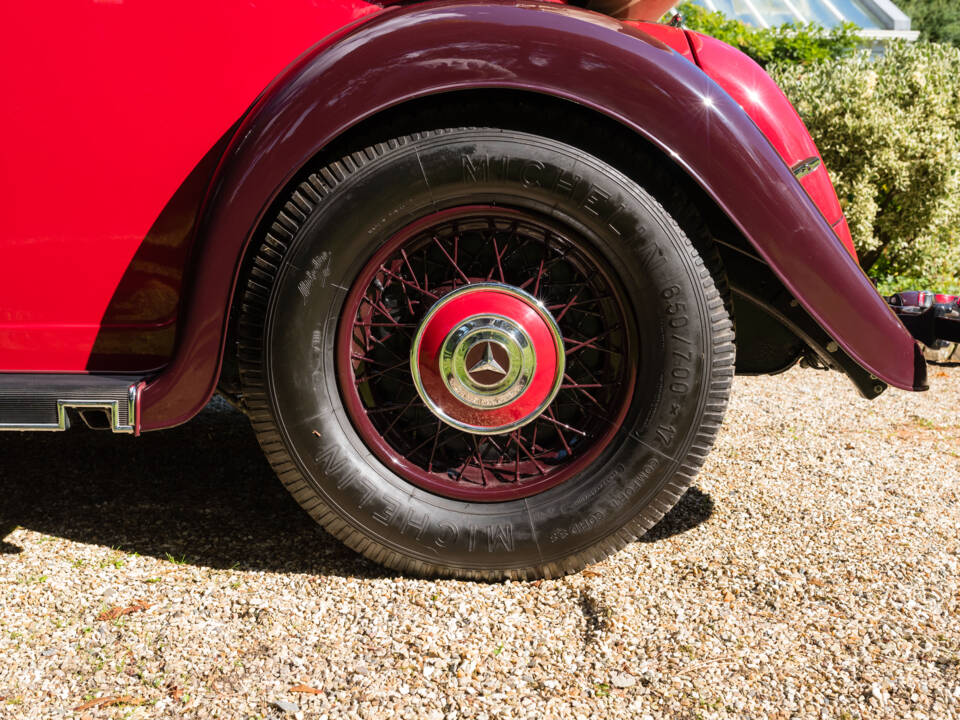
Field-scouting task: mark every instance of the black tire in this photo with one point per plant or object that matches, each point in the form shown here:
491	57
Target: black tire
307	261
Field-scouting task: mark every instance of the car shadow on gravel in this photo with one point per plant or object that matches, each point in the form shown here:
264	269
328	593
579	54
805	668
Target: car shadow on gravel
199	494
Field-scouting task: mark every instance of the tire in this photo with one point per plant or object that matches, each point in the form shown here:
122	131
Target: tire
320	310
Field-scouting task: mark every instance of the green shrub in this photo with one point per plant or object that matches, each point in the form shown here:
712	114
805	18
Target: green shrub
791	42
937	20
889	131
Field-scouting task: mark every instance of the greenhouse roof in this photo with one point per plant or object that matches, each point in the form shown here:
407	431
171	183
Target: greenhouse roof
876	17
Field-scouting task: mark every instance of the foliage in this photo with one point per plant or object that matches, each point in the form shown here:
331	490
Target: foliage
888	128
791	42
937	20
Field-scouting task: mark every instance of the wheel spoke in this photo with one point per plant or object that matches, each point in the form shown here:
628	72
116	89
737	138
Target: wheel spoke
592	343
517	248
379	307
433	450
479	456
399	415
430	438
518	439
582	390
382	343
453	260
393	324
550	417
409	284
466	463
367	359
386	409
516	462
366	378
535	280
500	248
573	304
499	255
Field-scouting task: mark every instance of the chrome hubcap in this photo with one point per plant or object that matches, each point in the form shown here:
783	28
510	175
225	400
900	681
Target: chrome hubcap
487	358
487	361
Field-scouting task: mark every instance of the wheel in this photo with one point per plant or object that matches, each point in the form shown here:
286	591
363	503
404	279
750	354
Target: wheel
482	353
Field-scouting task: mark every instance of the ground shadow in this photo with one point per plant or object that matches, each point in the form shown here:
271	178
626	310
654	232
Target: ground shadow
694	508
201	493
5	547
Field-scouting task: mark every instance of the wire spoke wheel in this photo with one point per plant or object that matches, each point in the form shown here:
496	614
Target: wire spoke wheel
483	352
482	248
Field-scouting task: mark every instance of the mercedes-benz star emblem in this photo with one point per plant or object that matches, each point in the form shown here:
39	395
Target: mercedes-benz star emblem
487	364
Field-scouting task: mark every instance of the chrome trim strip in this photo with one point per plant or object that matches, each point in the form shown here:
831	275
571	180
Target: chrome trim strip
805	167
62	423
130	428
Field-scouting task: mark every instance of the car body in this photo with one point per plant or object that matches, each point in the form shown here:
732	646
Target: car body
149	143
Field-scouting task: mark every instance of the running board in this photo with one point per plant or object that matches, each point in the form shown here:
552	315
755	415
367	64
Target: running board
40	402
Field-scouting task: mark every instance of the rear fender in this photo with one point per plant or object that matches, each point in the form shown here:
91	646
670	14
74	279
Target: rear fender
763	100
617	70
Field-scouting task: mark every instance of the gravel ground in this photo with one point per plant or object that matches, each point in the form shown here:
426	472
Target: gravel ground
811	572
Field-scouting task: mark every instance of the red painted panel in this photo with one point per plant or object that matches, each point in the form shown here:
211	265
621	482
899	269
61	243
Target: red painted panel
769	108
108	108
672	37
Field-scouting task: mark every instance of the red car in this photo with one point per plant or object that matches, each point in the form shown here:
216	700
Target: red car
480	273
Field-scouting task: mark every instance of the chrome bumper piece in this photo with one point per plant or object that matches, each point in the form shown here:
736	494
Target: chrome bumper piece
40	401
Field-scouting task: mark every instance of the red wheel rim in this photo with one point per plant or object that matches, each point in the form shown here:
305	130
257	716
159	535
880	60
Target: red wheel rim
464	260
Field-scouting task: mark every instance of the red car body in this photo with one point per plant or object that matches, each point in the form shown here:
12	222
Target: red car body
123	102
140	134
171	170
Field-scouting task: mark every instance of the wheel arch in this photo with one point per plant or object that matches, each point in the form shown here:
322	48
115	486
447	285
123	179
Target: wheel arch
565	120
506	108
573	56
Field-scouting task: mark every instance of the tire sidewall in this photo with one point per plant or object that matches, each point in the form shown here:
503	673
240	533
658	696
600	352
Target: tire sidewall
629	486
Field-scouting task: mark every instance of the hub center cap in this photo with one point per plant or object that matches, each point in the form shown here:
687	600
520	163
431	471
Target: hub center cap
487	361
488	358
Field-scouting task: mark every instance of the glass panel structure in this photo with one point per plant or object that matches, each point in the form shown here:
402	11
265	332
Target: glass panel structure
769	13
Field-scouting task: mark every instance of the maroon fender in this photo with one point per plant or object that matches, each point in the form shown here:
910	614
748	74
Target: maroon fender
764	101
425	49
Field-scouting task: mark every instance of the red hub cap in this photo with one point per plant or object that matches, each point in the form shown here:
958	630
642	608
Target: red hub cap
488	358
487	354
